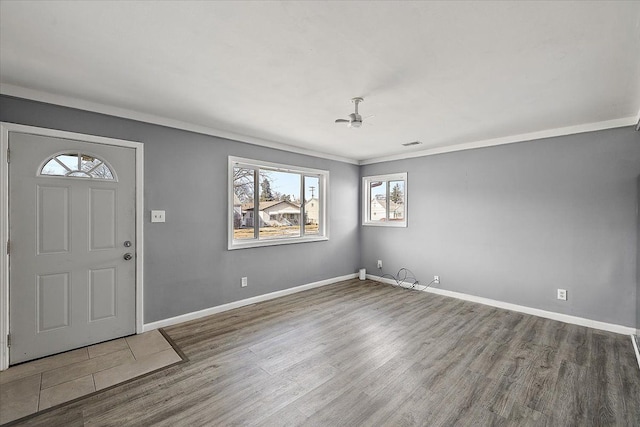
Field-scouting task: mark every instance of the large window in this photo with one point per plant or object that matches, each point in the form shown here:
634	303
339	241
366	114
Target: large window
272	204
384	201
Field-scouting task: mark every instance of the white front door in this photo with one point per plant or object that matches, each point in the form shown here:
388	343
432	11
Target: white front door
72	234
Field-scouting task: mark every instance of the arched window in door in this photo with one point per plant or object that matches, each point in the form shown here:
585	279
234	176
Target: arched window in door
77	165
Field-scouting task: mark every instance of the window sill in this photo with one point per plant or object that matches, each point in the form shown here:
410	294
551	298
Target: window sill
274	242
386	224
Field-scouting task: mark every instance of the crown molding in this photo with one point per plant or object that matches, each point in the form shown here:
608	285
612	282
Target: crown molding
64	101
49	98
550	133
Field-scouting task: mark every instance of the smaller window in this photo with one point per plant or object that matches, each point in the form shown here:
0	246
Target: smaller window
384	200
77	165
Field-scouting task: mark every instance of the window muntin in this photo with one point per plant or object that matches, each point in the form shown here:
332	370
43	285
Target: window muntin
243	188
77	165
384	201
290	201
311	205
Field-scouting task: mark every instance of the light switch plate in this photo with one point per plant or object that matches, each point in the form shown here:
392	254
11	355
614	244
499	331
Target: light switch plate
157	216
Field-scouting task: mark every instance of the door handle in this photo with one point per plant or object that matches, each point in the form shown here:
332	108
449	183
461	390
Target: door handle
127	256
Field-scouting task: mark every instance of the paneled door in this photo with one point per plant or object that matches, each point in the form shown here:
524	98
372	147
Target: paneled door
72	236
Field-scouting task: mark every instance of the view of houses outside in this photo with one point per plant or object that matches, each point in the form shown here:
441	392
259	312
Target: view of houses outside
381	208
280	208
311	204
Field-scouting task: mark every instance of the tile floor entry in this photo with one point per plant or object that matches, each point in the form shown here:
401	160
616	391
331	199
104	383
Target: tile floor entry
41	384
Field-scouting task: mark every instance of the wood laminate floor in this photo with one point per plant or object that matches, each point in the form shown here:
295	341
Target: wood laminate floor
365	353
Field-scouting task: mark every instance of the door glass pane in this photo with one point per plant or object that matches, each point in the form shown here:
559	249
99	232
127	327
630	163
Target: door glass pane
279	210
54	168
243	191
102	171
69	160
377	201
396	201
67	165
89	162
311	204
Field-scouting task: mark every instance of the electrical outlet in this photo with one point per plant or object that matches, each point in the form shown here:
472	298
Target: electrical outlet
157	216
436	279
244	282
562	294
379	263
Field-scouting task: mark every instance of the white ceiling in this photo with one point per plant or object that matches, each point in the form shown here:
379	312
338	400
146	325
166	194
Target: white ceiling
444	73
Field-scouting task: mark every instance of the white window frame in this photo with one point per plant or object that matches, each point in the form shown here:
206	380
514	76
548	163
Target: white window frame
323	197
366	199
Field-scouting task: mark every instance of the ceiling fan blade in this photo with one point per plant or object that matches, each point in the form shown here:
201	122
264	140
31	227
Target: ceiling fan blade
342	121
368	117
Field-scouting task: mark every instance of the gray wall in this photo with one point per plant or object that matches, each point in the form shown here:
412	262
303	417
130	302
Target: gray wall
187	265
515	222
511	223
638	263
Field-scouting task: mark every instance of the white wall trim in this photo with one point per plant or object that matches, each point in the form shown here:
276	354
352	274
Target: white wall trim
5	128
566	318
634	340
50	98
393	282
4	258
550	133
140	215
237	304
65	101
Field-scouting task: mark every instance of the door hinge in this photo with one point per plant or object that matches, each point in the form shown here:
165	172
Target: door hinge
8	340
8	156
8	246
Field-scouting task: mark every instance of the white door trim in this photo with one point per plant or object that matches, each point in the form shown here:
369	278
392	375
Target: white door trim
5	128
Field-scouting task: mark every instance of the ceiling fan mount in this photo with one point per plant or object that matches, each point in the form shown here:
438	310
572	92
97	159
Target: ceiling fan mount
355	119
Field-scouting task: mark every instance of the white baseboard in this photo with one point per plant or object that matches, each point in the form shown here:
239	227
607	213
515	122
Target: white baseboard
236	304
394	283
581	321
635	339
